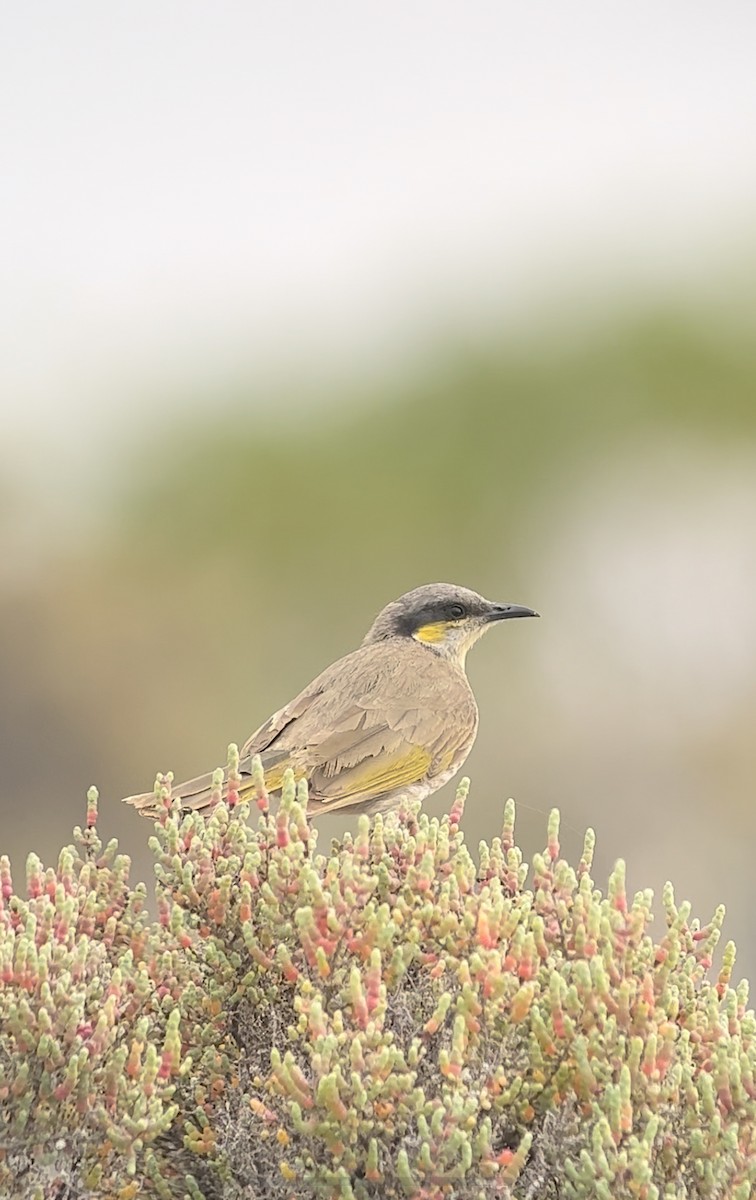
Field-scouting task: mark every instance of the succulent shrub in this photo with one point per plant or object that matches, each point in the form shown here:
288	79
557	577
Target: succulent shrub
388	1019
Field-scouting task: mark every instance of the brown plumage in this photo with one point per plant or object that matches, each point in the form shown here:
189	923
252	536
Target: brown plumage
395	717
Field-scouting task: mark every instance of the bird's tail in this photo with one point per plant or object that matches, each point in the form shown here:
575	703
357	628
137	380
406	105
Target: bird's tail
202	793
196	795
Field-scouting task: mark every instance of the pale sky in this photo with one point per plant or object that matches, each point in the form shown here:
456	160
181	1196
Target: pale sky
184	184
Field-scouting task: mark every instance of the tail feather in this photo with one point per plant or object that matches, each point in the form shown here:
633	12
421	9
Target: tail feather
195	795
198	794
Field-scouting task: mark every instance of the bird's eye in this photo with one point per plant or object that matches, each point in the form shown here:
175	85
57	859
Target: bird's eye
456	611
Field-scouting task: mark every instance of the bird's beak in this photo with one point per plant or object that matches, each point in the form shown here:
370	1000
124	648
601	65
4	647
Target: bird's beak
503	612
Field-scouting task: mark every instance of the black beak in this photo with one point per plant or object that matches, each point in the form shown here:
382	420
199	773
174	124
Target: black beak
502	612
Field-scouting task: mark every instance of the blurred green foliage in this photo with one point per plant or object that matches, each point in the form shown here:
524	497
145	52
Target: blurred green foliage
395	474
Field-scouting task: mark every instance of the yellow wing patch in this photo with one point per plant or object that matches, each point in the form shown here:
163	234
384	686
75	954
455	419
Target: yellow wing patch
371	777
274	775
375	776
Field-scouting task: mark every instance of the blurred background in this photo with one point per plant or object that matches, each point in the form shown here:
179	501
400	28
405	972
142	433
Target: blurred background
303	306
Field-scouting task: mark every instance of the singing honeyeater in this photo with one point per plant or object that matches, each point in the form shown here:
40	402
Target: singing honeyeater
396	717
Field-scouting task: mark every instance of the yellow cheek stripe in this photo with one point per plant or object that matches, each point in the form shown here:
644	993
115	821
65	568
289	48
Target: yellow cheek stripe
435	632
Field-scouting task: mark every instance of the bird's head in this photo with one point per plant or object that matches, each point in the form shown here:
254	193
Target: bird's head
442	616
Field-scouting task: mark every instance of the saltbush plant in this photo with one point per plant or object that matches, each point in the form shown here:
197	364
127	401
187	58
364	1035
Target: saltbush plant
388	1019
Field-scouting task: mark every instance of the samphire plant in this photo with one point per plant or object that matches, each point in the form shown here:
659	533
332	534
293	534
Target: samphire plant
388	1019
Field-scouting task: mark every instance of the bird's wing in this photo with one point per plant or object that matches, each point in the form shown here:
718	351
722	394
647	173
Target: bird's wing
270	730
278	739
374	725
368	757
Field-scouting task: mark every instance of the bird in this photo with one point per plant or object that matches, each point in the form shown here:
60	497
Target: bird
395	718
